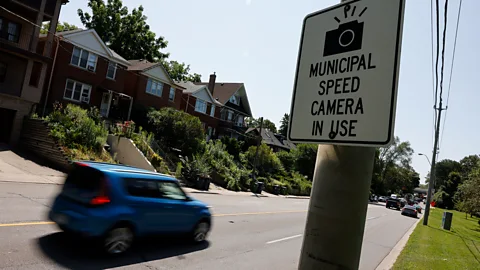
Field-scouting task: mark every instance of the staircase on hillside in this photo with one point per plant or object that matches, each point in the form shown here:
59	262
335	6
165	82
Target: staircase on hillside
35	138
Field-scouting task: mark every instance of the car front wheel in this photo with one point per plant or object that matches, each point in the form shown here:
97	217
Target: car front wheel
118	240
200	232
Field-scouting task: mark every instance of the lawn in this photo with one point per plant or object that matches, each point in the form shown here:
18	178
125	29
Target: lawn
431	247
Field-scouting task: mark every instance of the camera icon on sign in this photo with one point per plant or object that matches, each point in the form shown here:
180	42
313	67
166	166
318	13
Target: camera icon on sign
346	38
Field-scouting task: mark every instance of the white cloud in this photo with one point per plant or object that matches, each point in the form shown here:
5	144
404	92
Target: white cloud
245	54
248	2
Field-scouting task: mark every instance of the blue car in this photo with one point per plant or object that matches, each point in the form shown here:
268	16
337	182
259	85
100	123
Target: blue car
117	203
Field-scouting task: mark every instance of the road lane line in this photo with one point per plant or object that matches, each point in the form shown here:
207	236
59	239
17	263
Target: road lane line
26	224
284	239
214	215
370	218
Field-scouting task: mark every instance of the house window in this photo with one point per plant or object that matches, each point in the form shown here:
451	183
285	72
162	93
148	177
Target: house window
112	70
77	91
200	106
154	87
3	71
240	120
84	59
230	115
35	75
171	95
235	100
9	30
212	111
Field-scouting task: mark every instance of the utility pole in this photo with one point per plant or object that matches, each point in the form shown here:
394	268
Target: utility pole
259	142
431	182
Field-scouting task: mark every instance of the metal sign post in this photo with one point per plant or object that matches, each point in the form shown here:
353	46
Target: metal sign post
344	98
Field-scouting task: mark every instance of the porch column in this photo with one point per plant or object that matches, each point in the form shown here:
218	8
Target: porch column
53	27
130	109
110	96
36	30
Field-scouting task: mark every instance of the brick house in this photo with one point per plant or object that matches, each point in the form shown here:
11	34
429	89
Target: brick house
198	101
23	61
234	106
87	73
151	87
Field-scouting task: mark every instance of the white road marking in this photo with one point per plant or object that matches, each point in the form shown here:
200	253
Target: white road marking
370	218
284	239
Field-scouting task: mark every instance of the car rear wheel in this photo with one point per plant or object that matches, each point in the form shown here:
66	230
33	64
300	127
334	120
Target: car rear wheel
118	240
200	232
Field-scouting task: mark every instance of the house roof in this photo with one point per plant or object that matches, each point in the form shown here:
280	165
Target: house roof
223	91
272	139
72	33
192	88
140	65
144	65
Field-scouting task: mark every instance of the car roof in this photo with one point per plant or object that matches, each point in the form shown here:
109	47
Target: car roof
410	206
125	170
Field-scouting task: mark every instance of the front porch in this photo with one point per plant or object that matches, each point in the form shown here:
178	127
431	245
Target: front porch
115	106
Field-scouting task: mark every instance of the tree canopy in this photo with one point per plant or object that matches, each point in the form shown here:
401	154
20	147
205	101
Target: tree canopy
177	129
181	72
392	172
60	27
255	123
126	33
284	124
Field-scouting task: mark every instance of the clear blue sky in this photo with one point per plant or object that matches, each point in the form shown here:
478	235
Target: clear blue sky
256	42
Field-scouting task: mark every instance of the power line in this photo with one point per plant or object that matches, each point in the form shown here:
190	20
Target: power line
451	69
433	70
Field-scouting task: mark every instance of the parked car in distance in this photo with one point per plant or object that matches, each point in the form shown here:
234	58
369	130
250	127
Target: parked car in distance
409	210
116	204
393	196
382	199
393	203
418	207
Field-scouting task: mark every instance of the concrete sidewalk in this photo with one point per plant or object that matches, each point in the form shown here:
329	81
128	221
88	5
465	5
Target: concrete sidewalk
22	168
15	167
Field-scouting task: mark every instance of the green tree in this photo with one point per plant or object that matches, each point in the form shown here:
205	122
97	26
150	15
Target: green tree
284	124
255	123
288	160
177	129
267	161
467	198
443	169
232	146
126	33
468	164
181	72
60	27
392	171
305	158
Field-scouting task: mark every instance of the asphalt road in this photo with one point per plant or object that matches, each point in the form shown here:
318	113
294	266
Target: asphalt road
248	233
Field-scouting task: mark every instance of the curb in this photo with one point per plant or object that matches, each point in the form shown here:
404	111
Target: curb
25	182
294	197
389	260
204	192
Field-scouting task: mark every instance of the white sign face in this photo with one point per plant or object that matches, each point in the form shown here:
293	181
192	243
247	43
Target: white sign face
345	88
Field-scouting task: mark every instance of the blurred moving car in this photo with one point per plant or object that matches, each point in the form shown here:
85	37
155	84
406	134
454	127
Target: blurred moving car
418	207
393	203
409	210
116	204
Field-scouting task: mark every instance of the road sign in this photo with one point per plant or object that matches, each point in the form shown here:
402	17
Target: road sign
347	71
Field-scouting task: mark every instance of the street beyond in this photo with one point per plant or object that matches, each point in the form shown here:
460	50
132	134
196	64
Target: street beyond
249	232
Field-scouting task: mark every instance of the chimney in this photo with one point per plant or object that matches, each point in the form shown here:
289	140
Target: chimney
211	82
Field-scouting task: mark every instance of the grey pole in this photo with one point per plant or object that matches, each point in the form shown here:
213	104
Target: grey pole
334	230
431	182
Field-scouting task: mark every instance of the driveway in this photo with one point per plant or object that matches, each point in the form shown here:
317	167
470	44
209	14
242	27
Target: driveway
17	166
